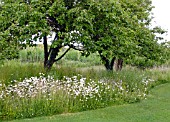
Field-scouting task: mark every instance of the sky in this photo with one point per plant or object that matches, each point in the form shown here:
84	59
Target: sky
162	16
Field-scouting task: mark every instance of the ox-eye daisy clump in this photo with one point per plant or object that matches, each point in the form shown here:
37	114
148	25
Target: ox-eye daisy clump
42	95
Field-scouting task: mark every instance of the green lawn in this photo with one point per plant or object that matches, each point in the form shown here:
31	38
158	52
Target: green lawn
154	109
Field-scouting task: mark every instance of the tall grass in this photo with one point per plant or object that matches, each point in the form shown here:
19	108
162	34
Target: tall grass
37	96
72	58
16	70
25	92
82	61
74	84
160	74
32	54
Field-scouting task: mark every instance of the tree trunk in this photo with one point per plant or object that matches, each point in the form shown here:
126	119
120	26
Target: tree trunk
118	64
45	50
52	55
107	63
49	56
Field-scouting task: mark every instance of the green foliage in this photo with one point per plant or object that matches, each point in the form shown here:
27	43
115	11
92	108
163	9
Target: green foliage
8	50
118	33
106	26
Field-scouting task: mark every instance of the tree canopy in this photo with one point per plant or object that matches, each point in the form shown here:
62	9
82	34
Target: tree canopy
116	29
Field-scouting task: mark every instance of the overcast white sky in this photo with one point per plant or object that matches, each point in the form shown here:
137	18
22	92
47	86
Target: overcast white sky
162	16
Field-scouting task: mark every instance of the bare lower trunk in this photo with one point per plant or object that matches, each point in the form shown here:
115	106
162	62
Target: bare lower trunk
53	53
49	56
118	64
107	63
45	50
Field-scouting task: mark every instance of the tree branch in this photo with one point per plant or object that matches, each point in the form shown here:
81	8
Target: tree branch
54	23
74	47
62	55
51	44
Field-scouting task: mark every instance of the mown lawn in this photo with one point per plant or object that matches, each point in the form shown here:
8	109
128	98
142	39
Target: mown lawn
154	109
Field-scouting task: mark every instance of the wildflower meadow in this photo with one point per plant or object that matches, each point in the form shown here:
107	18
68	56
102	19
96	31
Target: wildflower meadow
45	95
27	90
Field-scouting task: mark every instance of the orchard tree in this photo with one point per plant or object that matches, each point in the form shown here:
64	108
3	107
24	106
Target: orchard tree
121	30
116	29
21	19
